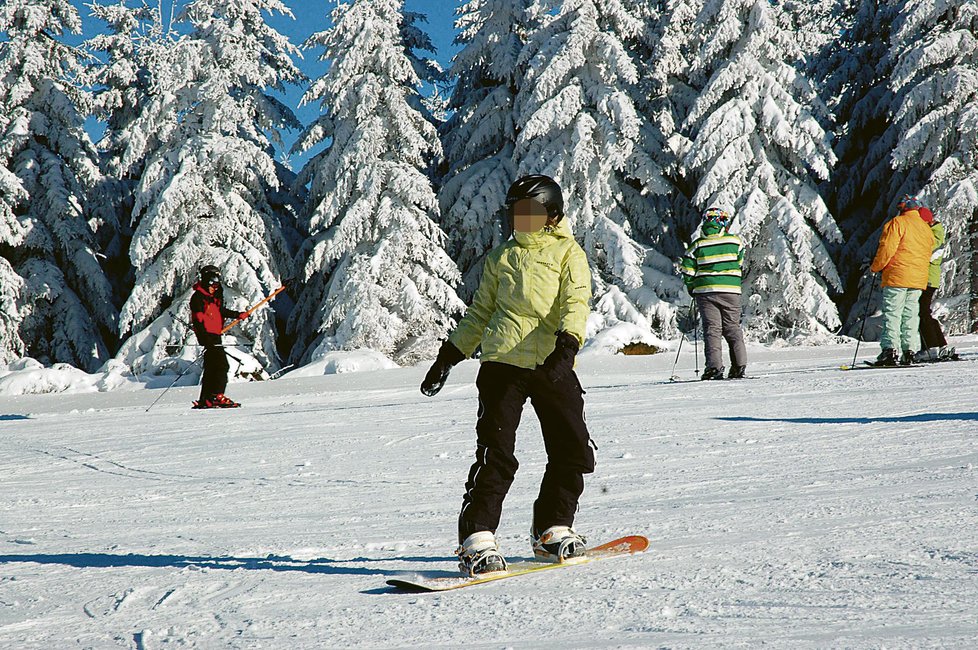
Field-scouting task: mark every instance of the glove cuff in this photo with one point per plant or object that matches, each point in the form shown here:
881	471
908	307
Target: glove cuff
567	340
450	354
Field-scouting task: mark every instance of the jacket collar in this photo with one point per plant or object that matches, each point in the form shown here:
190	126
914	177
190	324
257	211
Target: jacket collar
207	294
543	237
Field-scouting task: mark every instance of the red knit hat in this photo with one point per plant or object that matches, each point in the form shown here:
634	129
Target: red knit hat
926	215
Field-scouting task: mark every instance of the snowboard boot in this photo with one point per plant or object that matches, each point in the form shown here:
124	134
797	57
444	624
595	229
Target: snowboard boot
888	357
558	544
908	358
712	373
737	372
479	554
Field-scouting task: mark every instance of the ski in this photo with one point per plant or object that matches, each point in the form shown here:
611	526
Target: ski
705	381
869	365
623	546
204	407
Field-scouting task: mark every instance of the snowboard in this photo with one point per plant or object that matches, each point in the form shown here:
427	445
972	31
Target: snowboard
622	546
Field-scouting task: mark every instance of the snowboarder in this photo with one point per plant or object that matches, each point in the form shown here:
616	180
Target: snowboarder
903	256
207	314
529	315
712	269
933	344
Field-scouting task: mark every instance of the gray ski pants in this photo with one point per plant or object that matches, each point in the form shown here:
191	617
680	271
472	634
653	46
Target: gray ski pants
721	320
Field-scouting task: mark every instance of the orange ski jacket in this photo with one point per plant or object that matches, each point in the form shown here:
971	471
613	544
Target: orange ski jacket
904	251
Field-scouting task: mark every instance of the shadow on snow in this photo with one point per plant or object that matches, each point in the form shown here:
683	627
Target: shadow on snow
269	563
922	417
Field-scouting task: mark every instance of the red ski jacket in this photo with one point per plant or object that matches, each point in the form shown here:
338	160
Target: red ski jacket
207	314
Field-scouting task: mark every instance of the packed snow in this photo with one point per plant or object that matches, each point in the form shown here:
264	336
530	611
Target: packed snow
806	507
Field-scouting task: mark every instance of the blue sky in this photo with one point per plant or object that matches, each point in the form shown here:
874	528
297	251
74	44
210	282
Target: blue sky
313	16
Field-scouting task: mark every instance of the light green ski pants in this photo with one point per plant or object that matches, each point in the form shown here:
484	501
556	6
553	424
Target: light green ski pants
901	319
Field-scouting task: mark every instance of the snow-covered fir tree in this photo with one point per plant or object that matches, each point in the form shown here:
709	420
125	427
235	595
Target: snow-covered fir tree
375	270
651	193
203	139
56	299
853	74
935	83
480	137
120	96
757	148
577	122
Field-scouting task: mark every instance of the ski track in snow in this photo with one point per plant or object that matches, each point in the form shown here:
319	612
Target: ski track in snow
806	508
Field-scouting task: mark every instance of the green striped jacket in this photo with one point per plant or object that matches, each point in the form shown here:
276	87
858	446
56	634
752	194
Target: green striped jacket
712	264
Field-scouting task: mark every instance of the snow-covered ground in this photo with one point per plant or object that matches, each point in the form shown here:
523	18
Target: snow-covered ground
808	507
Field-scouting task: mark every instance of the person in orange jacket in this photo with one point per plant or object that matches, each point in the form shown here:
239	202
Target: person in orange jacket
903	256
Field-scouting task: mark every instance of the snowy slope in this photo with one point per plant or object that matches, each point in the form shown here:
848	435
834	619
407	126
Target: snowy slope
806	508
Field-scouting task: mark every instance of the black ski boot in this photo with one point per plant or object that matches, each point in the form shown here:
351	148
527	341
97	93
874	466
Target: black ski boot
888	357
737	372
908	358
948	354
712	373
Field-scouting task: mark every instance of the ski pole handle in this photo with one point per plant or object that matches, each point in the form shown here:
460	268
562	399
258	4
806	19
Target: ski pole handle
255	307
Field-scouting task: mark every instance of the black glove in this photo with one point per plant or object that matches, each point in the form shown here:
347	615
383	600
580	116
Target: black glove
560	363
448	356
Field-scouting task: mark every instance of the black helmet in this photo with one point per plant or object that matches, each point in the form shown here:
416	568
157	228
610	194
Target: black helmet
210	274
539	188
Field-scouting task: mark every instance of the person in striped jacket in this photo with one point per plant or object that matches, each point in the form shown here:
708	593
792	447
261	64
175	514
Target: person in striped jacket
711	269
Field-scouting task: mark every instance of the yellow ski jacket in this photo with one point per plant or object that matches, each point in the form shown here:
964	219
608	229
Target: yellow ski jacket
532	286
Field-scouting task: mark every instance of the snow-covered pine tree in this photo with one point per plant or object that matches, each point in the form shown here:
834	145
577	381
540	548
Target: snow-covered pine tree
11	284
577	122
651	192
852	75
120	95
480	137
207	173
375	271
935	81
757	147
57	301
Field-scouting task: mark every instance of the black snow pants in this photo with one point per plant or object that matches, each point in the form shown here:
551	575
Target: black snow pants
503	390
931	334
215	377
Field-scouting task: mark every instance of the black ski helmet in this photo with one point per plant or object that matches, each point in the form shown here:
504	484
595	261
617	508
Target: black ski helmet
210	274
539	188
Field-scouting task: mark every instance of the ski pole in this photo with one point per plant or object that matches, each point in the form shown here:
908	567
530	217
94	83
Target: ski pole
252	309
869	301
689	315
696	347
174	383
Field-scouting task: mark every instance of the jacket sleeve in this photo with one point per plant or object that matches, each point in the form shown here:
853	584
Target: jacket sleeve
940	238
687	266
575	294
197	314
468	335
889	242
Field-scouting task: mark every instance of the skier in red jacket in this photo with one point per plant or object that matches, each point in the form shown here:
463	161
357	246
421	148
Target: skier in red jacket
207	314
